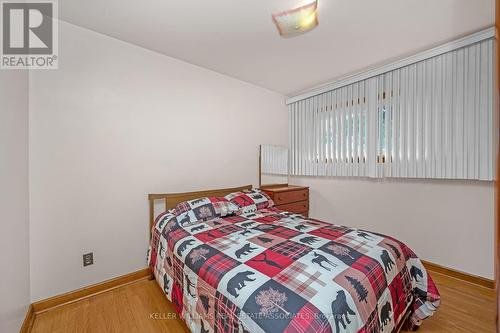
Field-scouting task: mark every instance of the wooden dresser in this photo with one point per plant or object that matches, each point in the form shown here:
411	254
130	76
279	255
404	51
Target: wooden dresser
291	198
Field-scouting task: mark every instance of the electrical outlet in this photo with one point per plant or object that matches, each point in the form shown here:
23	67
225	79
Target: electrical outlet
88	259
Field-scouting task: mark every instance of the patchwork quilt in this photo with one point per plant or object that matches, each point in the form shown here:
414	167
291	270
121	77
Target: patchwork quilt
274	271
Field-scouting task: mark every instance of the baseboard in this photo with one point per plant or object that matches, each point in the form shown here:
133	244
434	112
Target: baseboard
474	279
98	288
28	320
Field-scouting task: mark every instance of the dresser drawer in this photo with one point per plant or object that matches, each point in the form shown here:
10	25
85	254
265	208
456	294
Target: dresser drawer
301	207
290	196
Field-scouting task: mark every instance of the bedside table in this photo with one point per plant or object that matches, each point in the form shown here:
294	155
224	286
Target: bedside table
291	198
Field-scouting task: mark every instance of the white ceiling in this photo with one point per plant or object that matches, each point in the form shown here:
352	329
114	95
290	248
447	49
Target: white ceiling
238	38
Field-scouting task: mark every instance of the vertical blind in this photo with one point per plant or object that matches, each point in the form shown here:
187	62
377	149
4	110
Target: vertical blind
429	119
274	160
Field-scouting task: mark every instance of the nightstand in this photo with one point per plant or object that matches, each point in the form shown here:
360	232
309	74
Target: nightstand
291	198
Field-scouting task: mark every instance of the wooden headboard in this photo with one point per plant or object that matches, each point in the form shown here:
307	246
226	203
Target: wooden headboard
172	199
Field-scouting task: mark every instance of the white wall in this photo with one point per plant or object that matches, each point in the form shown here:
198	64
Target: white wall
14	204
115	123
450	223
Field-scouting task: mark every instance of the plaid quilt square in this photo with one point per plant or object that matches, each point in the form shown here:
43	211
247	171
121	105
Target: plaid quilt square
309	319
331	232
226	315
283	232
291	249
212	234
178	271
356	242
372	324
234	219
226	242
374	272
153	248
268	219
177	297
269	262
241	199
302	279
400	288
215	267
230	229
432	294
182	207
175	236
209	235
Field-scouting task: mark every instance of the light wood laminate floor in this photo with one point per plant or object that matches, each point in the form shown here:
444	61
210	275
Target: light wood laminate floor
142	307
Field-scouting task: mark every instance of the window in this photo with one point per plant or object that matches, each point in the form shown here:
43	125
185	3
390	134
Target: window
429	119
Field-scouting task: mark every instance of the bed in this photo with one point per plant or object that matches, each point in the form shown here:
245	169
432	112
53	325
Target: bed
266	270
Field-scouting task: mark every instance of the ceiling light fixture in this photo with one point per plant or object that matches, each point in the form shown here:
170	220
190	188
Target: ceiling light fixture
297	21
